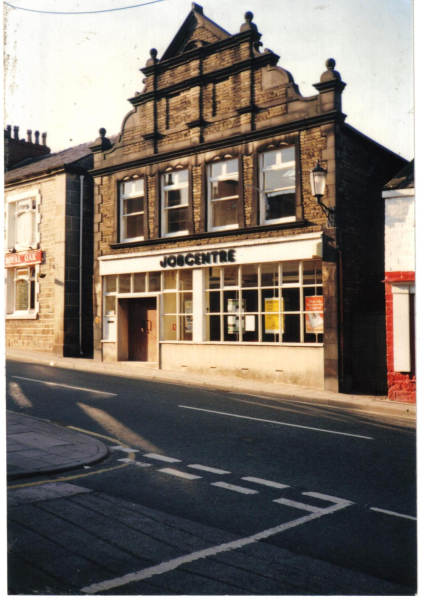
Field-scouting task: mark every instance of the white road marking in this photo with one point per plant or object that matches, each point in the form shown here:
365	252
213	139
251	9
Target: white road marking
163	458
134	462
334	499
266	482
210	469
394	514
171	565
216	412
123	449
234	488
179	474
70	387
299	505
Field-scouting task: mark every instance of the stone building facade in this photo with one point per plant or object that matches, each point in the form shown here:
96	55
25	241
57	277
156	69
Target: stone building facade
211	253
48	258
399	197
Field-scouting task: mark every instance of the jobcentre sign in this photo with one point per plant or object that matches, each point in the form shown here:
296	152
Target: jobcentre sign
197	259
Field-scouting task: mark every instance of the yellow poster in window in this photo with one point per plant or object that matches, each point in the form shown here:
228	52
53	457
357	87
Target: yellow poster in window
272	320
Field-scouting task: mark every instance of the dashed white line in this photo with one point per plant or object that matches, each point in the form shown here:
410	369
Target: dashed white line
394	514
124	449
216	412
171	565
299	505
70	387
266	482
179	474
234	488
209	469
334	499
134	462
163	458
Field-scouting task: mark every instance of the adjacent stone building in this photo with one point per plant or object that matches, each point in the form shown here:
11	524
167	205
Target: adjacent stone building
399	196
49	252
19	152
211	252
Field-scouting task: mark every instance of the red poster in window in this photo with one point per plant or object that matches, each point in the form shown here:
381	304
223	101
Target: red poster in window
23	259
314	314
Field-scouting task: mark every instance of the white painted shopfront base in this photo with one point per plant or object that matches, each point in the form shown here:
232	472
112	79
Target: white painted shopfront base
300	365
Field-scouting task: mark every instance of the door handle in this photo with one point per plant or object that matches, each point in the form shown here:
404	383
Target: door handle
149	325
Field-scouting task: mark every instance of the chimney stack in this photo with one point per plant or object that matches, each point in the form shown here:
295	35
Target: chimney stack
16	132
44	138
37	138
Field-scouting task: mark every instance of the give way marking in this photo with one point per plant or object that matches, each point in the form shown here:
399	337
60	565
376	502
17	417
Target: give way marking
171	565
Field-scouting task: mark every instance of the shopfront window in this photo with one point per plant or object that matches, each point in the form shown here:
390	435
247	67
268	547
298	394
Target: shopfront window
175	199
177	306
269	303
223	195
132	210
277	182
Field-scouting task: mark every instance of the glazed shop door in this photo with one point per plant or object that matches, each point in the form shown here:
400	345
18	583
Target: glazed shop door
142	326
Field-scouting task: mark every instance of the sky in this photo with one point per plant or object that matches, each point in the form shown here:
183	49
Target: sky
69	75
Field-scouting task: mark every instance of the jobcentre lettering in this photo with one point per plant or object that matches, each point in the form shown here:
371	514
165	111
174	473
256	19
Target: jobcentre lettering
197	259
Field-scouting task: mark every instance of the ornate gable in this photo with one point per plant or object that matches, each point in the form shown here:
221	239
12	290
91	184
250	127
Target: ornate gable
197	30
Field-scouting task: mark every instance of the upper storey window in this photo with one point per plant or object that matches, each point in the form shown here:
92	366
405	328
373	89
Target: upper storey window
277	184
175	200
132	210
22	226
223	195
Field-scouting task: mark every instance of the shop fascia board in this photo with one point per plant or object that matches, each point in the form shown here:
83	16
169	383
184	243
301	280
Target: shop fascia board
302	247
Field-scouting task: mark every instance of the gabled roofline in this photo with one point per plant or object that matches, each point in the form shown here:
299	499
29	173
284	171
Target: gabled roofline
195	14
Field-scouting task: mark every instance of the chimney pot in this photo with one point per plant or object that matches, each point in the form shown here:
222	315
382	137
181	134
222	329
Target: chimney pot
9	131
37	137
29	136
16	132
44	139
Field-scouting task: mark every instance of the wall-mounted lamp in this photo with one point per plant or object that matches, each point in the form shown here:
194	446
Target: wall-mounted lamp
318	185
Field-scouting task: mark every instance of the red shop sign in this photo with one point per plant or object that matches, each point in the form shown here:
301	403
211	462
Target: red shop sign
22	259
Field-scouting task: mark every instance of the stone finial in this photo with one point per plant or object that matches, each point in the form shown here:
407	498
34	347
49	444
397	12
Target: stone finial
29	136
152	60
44	139
16	132
37	137
197	8
330	73
248	25
101	143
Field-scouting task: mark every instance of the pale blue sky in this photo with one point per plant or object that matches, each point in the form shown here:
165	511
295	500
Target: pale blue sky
71	75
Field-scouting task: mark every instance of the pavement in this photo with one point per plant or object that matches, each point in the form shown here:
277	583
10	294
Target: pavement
37	447
371	404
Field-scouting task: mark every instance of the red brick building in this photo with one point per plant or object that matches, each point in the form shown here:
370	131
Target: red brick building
399	197
211	252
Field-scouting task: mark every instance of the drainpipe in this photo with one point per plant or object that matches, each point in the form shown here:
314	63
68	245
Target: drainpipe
80	263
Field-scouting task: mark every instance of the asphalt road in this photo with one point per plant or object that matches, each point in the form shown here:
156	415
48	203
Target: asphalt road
224	467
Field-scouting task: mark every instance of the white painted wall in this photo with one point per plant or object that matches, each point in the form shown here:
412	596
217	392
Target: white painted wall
400	231
301	365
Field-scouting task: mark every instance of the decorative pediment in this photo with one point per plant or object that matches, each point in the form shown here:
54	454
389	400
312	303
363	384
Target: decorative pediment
196	31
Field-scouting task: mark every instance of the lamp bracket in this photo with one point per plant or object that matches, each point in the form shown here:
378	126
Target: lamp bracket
328	211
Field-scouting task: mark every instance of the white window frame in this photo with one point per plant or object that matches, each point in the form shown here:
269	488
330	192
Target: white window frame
12	201
211	202
279	166
123	217
165	209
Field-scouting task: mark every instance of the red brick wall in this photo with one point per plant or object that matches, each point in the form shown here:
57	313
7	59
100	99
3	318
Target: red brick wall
401	386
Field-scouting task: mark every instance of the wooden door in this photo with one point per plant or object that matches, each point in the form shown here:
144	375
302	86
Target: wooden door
142	325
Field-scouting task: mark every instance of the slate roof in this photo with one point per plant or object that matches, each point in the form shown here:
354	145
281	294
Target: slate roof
52	162
403	180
